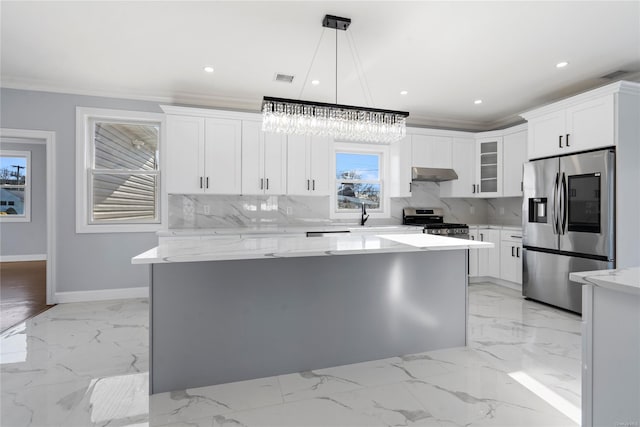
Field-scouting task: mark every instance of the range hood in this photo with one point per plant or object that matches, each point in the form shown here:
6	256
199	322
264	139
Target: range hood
433	174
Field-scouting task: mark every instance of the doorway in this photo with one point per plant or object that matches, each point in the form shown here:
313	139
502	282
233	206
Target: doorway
26	224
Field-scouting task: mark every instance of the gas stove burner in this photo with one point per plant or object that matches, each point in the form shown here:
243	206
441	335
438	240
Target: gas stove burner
433	221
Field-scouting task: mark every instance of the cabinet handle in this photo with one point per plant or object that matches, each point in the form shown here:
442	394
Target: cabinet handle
474	189
518	252
560	141
409	187
512	254
307	185
200	182
521	186
314	185
262	183
473	237
481	237
207	182
267	183
567	142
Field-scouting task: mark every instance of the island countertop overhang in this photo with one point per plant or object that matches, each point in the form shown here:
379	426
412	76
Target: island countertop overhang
289	247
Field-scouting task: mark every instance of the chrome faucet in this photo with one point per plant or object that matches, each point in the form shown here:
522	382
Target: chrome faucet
363	218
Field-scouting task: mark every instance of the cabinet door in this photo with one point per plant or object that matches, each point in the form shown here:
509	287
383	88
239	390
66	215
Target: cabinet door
184	167
319	152
400	168
590	125
463	160
473	255
544	135
431	151
222	151
508	261
275	163
298	179
252	158
489	167
514	150
489	259
518	263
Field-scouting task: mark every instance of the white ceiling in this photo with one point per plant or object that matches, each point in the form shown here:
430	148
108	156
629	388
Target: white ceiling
445	54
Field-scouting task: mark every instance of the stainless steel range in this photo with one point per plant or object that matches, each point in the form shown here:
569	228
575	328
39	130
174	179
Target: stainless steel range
433	221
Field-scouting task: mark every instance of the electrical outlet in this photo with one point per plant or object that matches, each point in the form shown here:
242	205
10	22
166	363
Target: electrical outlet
206	209
289	210
472	210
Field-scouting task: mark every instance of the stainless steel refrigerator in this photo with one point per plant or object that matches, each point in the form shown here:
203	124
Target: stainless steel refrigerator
568	224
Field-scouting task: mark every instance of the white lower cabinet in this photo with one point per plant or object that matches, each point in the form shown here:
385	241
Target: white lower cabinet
489	259
511	256
473	253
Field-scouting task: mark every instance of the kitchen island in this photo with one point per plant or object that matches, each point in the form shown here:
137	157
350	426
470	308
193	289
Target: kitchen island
226	310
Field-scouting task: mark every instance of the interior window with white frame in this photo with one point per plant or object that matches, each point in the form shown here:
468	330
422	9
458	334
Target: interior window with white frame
358	181
119	153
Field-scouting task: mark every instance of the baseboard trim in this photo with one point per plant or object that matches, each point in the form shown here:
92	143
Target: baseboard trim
19	258
496	281
102	295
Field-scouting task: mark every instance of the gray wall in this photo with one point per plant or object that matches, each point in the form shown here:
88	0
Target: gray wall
83	261
29	238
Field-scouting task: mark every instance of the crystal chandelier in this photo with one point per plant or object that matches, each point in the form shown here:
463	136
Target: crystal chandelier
342	122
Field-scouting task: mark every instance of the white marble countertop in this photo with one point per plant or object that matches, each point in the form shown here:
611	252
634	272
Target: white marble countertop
296	246
284	229
621	279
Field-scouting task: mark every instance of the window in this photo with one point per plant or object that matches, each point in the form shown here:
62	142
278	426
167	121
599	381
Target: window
15	186
359	178
119	156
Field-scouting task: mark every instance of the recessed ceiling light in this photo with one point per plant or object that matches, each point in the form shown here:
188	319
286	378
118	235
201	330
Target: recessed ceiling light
315	82
403	92
208	69
562	64
477	101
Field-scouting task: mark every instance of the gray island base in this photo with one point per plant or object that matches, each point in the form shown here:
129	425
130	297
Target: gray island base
216	322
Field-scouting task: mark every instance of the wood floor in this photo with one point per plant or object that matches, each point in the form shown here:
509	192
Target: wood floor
22	291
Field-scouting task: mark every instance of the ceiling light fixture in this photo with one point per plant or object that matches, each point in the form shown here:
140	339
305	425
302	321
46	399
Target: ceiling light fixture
315	82
477	101
562	64
403	92
344	122
208	69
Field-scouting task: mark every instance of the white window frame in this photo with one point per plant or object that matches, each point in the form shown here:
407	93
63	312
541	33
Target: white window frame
357	148
26	217
85	117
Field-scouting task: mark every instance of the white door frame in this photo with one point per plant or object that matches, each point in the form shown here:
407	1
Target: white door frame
49	139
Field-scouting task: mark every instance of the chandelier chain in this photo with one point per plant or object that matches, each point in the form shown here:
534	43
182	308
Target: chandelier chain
360	69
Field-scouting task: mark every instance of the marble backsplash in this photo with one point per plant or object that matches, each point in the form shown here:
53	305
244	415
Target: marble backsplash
219	211
505	211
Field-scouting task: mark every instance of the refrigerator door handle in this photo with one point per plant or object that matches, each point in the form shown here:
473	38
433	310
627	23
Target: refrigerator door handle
554	210
563	205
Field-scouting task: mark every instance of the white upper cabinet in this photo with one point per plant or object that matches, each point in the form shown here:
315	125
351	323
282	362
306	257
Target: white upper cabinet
463	155
264	157
400	168
308	165
514	154
578	124
429	151
488	167
222	152
203	155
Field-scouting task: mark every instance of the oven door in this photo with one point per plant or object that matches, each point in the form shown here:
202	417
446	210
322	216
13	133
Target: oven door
586	203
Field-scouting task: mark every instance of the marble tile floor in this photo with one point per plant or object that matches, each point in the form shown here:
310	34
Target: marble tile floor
87	365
